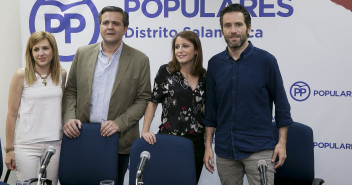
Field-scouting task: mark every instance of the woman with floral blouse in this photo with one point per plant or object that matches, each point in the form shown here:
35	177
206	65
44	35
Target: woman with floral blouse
180	87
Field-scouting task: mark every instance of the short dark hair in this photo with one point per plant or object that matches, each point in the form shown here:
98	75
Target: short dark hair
236	8
114	9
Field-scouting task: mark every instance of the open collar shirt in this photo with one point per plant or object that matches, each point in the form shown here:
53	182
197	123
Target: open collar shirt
239	102
103	81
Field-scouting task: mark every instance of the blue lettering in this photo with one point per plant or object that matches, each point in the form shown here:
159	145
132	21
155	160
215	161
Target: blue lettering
156	31
202	10
327	93
157	13
259	34
299	91
285	6
173	33
321	145
224	3
69	29
168	9
331	145
326	145
337	146
130	9
250	8
315	92
195	11
256	34
142	34
137	32
65	24
343	93
334	146
263	6
150	33
199	7
129	33
49	27
165	31
342	146
208	33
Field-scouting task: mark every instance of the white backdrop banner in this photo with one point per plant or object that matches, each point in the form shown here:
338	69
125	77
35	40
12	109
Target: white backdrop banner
309	39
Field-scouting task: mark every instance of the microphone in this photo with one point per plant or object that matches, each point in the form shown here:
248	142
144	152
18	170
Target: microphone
145	156
50	151
262	166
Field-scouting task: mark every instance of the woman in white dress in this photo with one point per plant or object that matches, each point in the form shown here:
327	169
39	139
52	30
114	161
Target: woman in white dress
34	109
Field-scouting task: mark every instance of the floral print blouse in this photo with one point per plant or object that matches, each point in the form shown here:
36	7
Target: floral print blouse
182	108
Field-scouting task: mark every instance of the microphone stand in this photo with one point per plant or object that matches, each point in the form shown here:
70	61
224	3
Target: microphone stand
139	180
42	180
263	178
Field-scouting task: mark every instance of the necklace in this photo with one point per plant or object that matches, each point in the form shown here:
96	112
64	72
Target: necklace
43	77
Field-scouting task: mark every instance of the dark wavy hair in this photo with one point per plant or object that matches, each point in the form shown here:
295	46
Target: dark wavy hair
174	65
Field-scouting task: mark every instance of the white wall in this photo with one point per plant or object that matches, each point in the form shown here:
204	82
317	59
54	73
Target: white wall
10	60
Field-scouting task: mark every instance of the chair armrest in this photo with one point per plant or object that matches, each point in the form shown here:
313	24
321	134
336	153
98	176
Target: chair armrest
318	181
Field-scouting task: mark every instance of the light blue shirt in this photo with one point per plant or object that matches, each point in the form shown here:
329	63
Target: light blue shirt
103	81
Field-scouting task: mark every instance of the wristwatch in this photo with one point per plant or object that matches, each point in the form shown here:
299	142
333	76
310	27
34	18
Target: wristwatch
7	150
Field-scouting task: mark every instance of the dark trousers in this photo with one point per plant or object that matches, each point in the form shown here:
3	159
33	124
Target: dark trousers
199	148
122	167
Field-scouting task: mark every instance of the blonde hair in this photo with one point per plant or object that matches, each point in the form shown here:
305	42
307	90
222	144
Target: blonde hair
30	63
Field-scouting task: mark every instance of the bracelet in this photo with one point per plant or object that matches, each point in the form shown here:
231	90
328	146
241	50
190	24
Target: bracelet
7	150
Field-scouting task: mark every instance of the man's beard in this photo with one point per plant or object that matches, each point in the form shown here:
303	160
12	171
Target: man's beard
243	39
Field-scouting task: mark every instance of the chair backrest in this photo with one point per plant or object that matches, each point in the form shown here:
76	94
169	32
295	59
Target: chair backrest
89	158
171	161
299	164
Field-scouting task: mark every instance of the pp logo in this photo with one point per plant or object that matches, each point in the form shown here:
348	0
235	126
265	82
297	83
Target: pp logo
300	91
73	25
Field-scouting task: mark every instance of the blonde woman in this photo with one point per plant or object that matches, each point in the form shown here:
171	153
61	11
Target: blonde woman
34	109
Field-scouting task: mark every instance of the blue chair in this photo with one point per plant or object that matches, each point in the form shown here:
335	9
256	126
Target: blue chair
1	168
298	168
171	161
89	158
